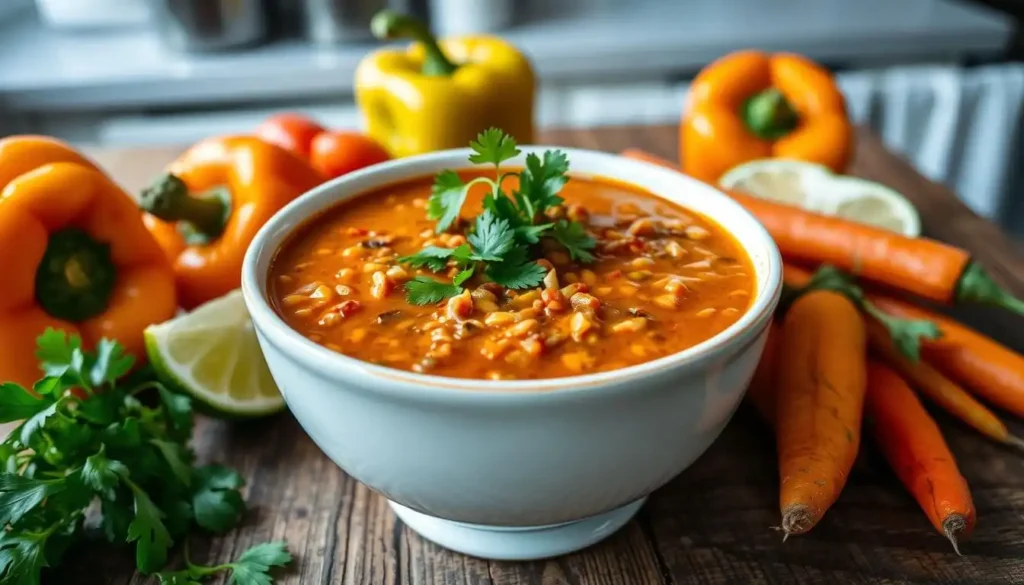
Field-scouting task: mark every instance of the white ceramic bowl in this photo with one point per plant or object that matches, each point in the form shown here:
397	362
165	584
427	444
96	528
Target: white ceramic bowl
515	469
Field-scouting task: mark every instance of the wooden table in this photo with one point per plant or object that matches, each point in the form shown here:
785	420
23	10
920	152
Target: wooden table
711	525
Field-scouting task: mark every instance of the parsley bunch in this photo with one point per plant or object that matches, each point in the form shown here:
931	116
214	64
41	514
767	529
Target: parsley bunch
502	239
88	440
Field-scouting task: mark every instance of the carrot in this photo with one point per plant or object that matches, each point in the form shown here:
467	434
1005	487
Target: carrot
819	405
763	386
911	442
992	370
941	390
920	266
906	334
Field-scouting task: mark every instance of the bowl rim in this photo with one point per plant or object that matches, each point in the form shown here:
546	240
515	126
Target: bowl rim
406	383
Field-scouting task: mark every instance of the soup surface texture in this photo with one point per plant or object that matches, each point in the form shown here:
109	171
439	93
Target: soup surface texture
664	279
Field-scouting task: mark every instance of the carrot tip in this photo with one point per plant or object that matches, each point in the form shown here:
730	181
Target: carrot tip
1015	442
952	526
796	520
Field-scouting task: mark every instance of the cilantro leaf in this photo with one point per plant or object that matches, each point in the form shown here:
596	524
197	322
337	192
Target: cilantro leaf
56	350
462	277
30	427
148	531
216	501
179	410
516	271
17	404
493	146
183	577
540	182
424	290
433	257
492	237
253	567
530	234
102	475
446	199
504	208
575	239
111	363
20	495
175	454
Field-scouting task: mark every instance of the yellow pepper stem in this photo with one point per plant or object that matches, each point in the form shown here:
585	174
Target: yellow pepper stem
76	276
769	115
201	219
388	24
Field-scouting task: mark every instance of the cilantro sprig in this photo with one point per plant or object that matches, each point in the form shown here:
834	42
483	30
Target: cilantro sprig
501	241
88	437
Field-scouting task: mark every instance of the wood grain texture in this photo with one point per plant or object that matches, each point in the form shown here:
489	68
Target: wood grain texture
712	525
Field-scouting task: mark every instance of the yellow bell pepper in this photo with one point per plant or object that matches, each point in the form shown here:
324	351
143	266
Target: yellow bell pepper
442	94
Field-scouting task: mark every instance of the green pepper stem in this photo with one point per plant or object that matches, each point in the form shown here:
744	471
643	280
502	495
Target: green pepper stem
76	277
769	115
168	198
388	24
976	286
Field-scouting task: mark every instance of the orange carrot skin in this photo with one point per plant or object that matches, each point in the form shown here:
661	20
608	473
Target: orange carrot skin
921	266
939	389
763	386
822	380
990	369
924	267
915	449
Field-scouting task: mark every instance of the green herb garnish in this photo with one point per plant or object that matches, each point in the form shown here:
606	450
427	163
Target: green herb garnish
87	437
502	239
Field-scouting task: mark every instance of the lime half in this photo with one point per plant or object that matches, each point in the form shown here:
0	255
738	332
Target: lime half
815	188
213	355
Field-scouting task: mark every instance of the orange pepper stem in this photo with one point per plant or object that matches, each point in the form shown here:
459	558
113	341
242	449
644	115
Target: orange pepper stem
769	115
975	285
76	276
201	218
388	24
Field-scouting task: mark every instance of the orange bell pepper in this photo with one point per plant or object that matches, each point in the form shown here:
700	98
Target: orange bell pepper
75	256
206	209
750	105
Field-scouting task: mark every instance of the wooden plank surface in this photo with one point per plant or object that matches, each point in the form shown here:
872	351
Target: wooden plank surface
710	526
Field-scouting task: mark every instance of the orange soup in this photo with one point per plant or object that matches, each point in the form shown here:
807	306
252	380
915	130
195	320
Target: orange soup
656	279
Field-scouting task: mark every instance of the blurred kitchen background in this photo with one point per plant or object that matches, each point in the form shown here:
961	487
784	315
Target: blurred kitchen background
941	80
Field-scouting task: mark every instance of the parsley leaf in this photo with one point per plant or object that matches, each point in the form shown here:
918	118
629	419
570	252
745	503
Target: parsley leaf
111	363
102	474
504	208
20	495
493	146
492	238
148	531
253	567
17	404
424	290
516	271
216	502
179	410
575	239
446	199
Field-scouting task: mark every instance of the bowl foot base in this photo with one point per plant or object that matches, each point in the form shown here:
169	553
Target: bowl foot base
519	543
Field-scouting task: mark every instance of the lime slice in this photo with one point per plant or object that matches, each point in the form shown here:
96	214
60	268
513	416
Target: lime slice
212	354
874	204
816	188
786	181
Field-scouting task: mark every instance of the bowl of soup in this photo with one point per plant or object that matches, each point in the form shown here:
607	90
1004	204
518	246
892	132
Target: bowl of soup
516	420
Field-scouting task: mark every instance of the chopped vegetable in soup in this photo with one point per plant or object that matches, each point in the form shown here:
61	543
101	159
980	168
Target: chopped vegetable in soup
532	280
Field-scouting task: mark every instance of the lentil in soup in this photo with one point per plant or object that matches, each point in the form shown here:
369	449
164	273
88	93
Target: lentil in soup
662	280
